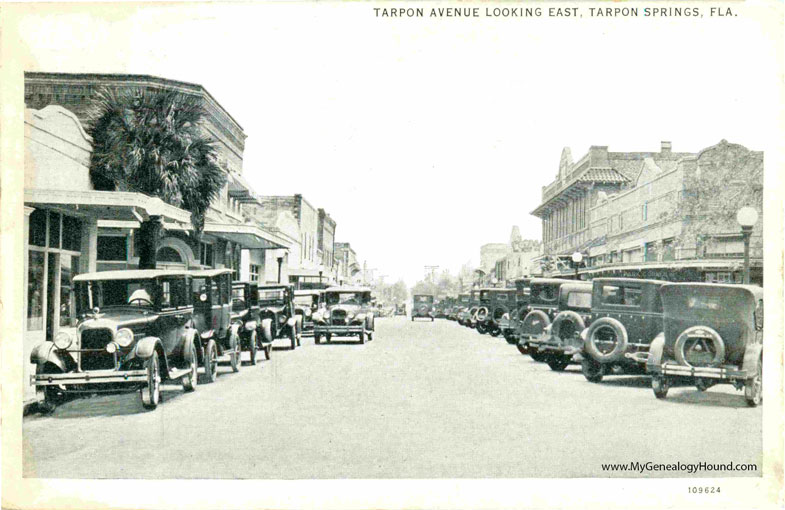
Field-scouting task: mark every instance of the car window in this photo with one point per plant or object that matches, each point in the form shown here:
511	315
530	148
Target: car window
579	300
272	295
625	296
238	298
501	297
545	293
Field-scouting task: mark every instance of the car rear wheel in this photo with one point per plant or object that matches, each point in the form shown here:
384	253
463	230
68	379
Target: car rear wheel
362	336
151	392
753	387
592	370
253	347
190	380
210	362
660	385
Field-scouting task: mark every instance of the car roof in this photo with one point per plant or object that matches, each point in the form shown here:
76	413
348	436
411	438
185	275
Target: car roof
348	289
130	274
755	290
545	281
307	292
629	280
211	272
576	286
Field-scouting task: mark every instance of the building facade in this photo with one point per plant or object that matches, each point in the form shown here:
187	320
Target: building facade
518	261
669	216
348	267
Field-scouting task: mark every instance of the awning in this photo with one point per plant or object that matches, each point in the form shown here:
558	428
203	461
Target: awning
107	205
247	236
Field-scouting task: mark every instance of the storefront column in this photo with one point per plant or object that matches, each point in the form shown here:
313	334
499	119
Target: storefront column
89	245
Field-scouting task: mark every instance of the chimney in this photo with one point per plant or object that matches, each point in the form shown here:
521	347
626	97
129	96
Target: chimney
665	147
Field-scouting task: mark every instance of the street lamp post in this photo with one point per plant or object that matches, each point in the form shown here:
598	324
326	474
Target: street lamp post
280	264
577	258
747	218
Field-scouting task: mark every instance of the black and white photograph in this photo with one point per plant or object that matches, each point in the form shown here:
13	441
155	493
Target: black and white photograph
392	254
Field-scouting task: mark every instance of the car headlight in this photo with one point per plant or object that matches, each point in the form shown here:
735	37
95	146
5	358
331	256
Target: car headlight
111	347
281	319
63	340
124	337
307	312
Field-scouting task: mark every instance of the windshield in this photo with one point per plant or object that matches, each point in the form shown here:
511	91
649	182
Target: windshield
239	299
348	298
272	296
306	300
579	300
150	293
465	299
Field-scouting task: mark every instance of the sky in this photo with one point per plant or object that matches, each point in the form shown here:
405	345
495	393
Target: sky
427	138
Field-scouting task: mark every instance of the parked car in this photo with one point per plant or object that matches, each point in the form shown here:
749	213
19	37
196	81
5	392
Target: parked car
626	315
510	322
457	307
422	306
133	331
543	307
474	306
347	313
277	312
561	342
400	309
442	307
215	320
497	304
713	334
306	303
245	310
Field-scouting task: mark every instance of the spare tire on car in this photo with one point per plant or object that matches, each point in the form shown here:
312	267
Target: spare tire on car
603	331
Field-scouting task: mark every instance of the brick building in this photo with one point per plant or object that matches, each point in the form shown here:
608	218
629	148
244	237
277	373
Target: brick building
629	214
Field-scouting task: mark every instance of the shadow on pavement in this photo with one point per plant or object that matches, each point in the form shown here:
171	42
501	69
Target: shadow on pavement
639	381
111	404
708	398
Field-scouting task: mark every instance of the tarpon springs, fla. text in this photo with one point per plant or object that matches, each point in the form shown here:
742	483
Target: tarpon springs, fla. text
552	12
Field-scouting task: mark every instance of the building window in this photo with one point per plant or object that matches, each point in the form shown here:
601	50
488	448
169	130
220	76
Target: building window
645	211
668	251
54	230
38	228
254	270
206	254
168	254
72	233
35	290
112	248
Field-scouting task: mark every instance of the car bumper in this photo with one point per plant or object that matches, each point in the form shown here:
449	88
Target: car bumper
91	377
322	329
674	369
550	348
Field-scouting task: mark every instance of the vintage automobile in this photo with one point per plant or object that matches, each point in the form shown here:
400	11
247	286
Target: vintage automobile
347	313
133	331
277	313
474	306
509	323
462	309
245	310
543	307
441	307
306	303
214	318
712	334
626	315
422	306
500	302
400	309
561	342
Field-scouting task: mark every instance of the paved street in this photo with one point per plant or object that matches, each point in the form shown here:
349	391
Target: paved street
422	400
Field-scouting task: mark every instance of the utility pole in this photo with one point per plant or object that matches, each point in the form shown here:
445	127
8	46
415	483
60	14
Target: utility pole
430	271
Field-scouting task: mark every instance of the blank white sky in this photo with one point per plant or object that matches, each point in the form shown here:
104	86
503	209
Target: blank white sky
426	138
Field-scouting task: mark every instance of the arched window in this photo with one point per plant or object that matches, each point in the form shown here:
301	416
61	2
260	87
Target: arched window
168	254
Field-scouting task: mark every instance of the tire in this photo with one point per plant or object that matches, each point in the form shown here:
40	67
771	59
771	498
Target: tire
192	379
620	335
151	392
716	340
267	332
535	318
268	351
328	337
508	336
298	327
753	387
481	328
702	384
362	336
558	364
293	335
210	362
562	319
253	348
592	370
51	394
523	349
317	339
660	386
237	353
538	357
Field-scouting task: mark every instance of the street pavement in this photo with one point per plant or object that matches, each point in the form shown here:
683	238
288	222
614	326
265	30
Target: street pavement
422	400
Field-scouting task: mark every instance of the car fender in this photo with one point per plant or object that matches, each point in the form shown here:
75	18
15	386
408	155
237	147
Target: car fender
191	338
654	361
145	347
46	352
752	356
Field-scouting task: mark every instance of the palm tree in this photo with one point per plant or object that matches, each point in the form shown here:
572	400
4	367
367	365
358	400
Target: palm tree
150	141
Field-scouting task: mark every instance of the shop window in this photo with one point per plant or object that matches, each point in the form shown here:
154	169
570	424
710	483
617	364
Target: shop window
54	230
72	234
69	267
112	248
35	291
38	228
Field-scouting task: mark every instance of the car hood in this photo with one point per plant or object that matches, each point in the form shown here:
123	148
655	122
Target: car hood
115	319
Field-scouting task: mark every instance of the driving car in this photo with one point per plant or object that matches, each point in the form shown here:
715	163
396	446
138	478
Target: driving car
133	331
422	306
215	320
542	309
712	334
245	310
306	303
626	315
510	322
347	312
277	313
561	342
498	303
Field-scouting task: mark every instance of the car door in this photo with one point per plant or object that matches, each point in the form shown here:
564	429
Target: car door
175	314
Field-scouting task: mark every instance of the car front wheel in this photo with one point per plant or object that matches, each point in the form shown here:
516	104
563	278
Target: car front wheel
151	393
253	347
362	336
592	370
753	387
293	336
237	352
558	364
660	385
210	362
190	379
